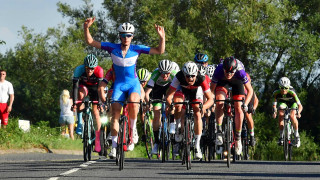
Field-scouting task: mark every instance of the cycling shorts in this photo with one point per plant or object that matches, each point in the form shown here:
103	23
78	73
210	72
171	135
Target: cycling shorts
91	91
283	105
121	91
237	88
193	97
158	92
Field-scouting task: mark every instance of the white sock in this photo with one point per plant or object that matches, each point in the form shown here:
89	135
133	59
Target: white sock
296	132
114	141
197	143
133	123
177	123
281	133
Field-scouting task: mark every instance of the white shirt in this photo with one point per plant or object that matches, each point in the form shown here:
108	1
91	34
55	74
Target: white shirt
66	108
6	89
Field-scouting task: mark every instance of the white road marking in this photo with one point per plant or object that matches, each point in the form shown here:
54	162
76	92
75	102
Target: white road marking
86	164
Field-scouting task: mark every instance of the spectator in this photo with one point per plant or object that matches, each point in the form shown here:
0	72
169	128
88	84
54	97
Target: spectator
6	91
66	115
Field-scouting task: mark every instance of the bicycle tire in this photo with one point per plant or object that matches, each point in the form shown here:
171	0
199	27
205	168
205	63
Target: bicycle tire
85	139
163	140
292	139
188	143
148	132
229	143
285	141
124	139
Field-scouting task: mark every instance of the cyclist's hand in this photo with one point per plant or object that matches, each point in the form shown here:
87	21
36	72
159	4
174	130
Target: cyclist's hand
245	108
274	115
299	115
74	108
160	30
89	22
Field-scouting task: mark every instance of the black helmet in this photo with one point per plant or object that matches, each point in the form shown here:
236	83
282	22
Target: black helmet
230	64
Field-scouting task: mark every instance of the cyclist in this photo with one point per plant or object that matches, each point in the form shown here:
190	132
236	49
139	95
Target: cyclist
144	76
231	73
124	57
188	80
86	79
287	98
158	84
252	106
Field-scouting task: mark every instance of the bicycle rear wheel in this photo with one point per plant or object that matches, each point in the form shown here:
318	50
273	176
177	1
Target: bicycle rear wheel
148	132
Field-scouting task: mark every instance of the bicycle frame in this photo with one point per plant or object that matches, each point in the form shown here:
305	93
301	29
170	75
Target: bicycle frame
88	134
288	136
148	132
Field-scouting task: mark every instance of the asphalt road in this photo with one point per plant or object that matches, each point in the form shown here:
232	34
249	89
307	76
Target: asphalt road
57	166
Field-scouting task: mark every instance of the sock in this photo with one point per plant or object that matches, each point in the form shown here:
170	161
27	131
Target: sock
156	137
114	141
178	123
251	132
133	123
238	135
197	143
281	133
79	118
219	127
296	132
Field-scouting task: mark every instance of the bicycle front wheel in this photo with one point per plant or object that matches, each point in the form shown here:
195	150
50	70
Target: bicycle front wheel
188	140
85	140
229	142
149	137
285	141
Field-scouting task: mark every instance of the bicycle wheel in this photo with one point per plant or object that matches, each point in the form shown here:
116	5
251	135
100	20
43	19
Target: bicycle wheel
148	132
211	138
188	140
291	140
85	139
124	139
245	148
285	141
229	142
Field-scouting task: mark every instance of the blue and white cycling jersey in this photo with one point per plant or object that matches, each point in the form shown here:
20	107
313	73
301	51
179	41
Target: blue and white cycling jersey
126	80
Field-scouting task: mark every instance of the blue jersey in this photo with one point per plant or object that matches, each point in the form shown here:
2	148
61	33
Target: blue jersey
126	79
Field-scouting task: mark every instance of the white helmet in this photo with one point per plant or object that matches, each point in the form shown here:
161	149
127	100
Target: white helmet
175	66
165	66
202	70
126	28
284	82
190	68
210	70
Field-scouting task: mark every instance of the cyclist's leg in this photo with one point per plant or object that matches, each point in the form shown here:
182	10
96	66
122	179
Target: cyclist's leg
82	92
156	126
221	94
295	123
197	128
179	115
280	119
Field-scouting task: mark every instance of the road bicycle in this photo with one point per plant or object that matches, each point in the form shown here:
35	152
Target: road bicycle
208	146
148	137
289	139
245	140
165	140
188	134
229	117
124	134
88	134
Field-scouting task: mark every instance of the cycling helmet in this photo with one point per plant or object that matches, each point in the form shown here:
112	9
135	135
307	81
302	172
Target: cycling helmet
165	66
210	70
175	66
126	28
202	70
190	68
284	82
230	64
143	74
90	61
201	58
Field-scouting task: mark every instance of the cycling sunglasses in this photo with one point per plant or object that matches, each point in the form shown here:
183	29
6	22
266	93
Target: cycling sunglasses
126	35
87	68
284	88
188	76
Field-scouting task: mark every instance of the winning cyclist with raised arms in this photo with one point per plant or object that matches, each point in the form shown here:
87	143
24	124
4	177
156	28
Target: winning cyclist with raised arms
124	57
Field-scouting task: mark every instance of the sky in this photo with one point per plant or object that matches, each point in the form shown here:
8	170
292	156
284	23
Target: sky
38	15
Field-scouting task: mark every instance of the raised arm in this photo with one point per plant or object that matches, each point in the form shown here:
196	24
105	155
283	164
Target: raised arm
162	42
89	40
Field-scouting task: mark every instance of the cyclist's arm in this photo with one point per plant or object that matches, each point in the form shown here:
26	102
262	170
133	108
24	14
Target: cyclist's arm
75	89
148	90
89	40
161	47
250	93
101	87
208	94
169	96
256	101
213	89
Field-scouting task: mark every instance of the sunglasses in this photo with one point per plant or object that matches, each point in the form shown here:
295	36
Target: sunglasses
91	69
126	35
284	88
190	76
229	72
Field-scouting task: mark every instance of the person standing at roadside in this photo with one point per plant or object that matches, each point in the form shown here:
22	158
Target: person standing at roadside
6	91
66	115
